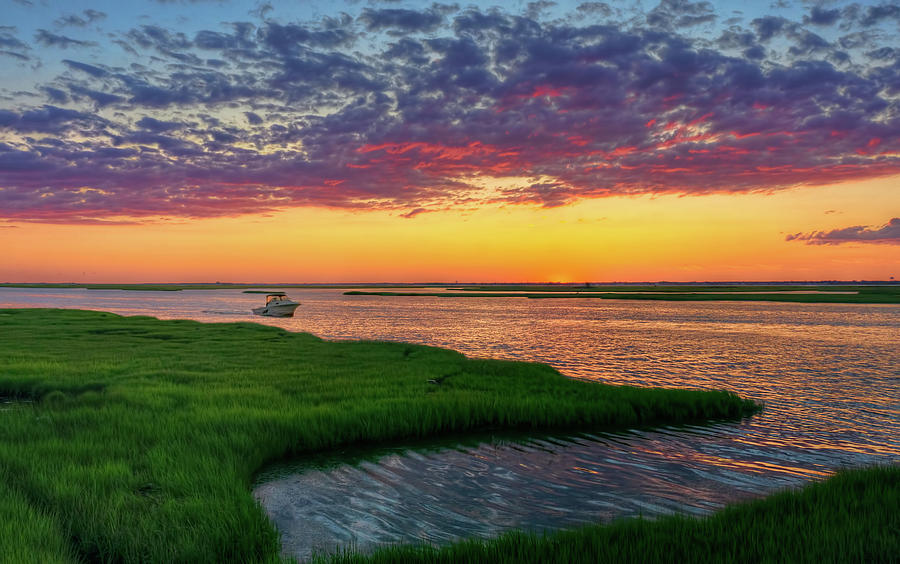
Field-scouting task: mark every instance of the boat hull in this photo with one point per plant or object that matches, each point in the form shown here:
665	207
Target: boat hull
277	310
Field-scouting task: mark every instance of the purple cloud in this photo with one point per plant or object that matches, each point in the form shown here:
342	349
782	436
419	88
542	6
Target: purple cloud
8	39
11	45
401	20
822	17
681	13
595	8
14	55
48	39
257	117
888	234
413	213
876	14
89	17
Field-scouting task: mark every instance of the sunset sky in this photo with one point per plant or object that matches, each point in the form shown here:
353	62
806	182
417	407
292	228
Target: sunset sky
367	141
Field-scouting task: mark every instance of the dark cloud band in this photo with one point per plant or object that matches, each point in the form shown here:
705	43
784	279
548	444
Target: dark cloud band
254	118
888	234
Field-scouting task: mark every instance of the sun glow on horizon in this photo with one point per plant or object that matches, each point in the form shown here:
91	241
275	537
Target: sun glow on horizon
627	239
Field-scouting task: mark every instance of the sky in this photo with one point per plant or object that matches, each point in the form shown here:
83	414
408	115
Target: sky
373	141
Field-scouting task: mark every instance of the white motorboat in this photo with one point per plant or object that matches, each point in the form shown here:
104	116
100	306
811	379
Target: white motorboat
277	305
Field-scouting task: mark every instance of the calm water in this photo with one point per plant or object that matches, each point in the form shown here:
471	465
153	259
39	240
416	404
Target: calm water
827	373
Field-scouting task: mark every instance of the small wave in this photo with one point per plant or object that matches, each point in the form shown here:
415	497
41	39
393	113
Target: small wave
226	312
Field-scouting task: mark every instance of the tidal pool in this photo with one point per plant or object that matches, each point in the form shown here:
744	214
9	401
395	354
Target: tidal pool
448	490
9	403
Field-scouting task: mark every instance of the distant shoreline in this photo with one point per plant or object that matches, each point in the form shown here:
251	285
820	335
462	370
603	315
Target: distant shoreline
836	292
661	286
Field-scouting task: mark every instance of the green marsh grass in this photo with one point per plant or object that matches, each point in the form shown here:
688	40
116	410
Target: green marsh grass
144	435
851	517
28	534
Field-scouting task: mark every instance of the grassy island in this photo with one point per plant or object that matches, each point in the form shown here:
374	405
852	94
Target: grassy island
136	439
835	294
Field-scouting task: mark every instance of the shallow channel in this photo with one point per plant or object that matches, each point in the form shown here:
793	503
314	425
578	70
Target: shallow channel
481	486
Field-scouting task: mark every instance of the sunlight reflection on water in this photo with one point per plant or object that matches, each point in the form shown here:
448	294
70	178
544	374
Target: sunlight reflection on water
827	373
